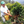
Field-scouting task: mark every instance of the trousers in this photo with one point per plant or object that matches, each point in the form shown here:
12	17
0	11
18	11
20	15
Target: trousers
3	18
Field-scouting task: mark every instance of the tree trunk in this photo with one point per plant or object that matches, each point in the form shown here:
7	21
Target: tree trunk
16	18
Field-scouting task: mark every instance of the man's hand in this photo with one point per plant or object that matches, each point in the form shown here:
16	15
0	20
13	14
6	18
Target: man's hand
10	15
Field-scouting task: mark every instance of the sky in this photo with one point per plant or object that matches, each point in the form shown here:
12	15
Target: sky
20	1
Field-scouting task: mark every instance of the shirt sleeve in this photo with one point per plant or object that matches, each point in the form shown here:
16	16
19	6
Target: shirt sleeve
7	8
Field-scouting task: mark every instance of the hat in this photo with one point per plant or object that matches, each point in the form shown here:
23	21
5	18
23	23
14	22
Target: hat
2	2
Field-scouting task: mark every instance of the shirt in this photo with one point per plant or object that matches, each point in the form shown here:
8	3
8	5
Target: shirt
3	10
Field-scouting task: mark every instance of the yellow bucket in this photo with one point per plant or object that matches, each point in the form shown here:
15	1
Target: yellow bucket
6	17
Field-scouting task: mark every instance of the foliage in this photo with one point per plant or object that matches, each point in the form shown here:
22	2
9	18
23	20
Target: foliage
16	8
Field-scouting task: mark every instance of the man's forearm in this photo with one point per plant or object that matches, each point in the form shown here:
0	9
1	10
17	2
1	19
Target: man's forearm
5	13
8	11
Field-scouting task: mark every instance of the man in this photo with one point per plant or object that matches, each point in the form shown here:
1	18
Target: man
4	10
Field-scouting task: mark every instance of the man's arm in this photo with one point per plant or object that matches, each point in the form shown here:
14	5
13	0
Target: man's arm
6	13
9	13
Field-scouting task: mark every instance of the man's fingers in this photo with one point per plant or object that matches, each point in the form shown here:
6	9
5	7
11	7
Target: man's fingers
10	15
